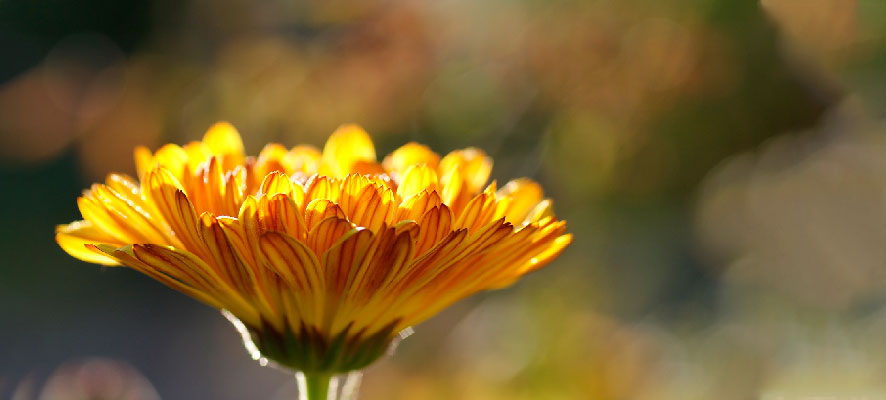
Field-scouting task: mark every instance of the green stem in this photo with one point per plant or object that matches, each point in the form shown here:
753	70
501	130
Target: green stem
313	387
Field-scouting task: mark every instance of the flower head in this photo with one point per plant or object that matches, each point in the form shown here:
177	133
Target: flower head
323	256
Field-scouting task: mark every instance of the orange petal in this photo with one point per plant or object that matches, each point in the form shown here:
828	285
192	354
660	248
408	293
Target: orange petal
435	225
365	167
477	213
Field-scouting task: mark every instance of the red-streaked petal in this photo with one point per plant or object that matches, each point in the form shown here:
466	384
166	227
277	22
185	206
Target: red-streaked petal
320	209
326	233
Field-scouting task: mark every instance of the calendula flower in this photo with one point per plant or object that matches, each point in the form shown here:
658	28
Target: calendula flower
320	257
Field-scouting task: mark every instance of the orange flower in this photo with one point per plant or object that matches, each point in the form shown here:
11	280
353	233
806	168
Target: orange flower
323	256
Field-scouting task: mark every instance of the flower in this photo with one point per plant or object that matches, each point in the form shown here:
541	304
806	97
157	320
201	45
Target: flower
322	257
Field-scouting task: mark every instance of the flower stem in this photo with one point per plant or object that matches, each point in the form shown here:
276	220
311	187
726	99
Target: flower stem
314	386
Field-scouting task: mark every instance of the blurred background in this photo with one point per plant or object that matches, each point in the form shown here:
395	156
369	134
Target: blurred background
722	165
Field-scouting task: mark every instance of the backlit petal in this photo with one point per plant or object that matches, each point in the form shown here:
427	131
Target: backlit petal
346	146
408	155
74	237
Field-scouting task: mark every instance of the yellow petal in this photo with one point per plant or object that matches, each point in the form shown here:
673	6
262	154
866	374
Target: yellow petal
271	158
320	209
236	234
207	189
279	213
105	218
126	187
340	264
541	210
293	260
462	258
346	146
524	194
454	193
74	237
416	179
370	208
415	206
224	140
234	186
137	224
276	182
304	159
198	153
144	160
427	265
326	233
548	254
322	187
227	260
248	218
171	157
408	155
473	165
342	259
166	195
393	250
